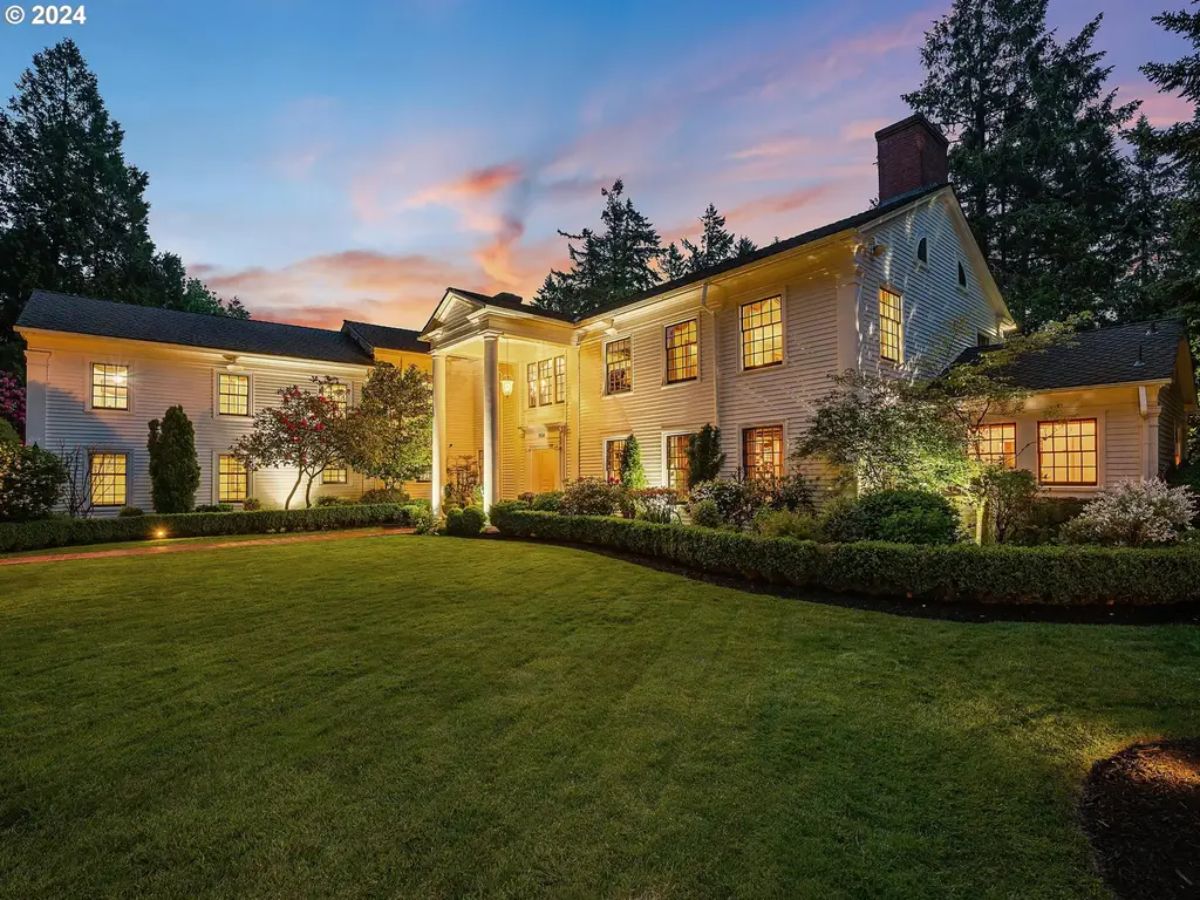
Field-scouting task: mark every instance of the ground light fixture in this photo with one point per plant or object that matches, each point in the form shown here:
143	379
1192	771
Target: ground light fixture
160	533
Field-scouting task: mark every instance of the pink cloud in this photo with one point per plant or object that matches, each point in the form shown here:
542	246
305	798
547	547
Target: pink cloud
1162	110
474	184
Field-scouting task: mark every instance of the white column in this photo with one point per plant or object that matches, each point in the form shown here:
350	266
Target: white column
491	419
439	432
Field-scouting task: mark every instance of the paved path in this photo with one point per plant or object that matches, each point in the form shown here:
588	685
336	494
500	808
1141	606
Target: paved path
196	546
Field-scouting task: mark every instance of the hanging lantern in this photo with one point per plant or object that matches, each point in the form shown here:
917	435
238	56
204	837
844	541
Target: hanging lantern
506	386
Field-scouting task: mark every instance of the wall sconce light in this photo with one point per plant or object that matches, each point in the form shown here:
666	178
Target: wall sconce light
506	386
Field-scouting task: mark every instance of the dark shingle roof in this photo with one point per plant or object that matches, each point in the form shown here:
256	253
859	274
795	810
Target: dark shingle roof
513	302
83	315
384	337
1117	354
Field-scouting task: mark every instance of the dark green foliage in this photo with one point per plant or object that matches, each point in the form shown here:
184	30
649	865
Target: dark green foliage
1007	497
174	470
593	497
1058	576
467	522
1046	519
738	500
704	455
250	504
609	265
633	475
783	523
1036	160
716	245
550	501
214	508
58	532
901	516
8	434
128	512
31	482
73	216
388	434
384	495
792	493
329	500
706	513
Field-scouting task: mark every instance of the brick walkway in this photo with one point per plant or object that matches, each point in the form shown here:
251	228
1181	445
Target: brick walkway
197	546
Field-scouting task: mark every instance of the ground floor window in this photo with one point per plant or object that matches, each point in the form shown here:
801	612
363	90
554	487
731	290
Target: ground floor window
1067	452
614	450
108	478
232	479
996	445
762	452
335	474
677	461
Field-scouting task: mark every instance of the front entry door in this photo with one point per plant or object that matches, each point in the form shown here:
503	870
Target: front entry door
543	470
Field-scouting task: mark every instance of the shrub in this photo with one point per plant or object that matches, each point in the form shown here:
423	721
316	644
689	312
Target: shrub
62	531
214	508
904	516
384	495
738	500
1002	574
12	399
706	513
633	475
128	512
704	455
791	492
330	500
550	501
1187	475
250	504
1007	497
785	523
31	481
655	504
1134	514
1046	519
174	470
592	497
8	434
467	522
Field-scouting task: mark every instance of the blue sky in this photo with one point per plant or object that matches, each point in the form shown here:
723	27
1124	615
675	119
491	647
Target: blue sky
324	160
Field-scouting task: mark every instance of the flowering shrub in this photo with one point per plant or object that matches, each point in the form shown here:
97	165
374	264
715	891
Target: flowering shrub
737	499
656	504
12	399
593	497
1134	514
31	481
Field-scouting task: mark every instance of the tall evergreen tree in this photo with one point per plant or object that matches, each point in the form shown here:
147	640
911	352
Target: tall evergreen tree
1152	188
73	216
615	262
1036	158
716	245
174	470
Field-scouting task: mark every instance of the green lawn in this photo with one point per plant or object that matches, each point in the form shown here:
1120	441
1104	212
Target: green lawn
439	717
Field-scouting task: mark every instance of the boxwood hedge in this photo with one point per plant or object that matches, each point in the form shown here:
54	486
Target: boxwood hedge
59	532
1061	576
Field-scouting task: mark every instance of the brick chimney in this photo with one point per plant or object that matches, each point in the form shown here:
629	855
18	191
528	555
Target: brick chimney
912	155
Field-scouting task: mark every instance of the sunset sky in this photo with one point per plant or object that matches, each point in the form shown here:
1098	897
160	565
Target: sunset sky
331	160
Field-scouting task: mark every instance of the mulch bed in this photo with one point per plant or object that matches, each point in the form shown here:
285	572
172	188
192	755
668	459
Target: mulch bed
1141	810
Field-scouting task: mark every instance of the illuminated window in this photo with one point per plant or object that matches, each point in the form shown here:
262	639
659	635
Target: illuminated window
618	366
560	379
547	381
110	386
762	452
996	445
762	333
532	380
339	393
108	472
232	479
890	325
335	474
683	351
233	394
1067	452
677	461
613	451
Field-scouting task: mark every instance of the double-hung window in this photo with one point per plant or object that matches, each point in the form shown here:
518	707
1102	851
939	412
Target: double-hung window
618	366
762	333
108	473
762	453
233	480
891	326
614	450
682	341
996	444
339	393
677	461
1067	452
233	394
110	386
547	381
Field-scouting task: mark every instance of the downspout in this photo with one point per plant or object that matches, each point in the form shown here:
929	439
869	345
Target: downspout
716	368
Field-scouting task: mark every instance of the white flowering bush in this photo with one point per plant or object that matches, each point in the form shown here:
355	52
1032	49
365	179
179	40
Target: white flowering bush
1134	514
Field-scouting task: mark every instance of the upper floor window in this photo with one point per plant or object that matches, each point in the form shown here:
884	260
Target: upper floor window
107	473
547	381
614	451
762	333
232	479
996	445
110	386
891	311
618	366
762	452
339	393
923	251
233	394
677	461
683	351
962	275
1067	452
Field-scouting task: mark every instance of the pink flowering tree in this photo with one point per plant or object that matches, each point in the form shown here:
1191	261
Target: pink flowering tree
302	432
12	400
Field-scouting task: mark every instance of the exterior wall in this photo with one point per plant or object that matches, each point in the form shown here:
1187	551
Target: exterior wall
160	376
940	318
1172	429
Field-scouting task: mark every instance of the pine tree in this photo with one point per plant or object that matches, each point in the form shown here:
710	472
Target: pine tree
73	215
1036	160
633	475
1152	187
607	266
716	245
174	471
674	263
744	247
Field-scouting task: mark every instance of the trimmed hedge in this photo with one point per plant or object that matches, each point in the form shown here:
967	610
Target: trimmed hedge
1002	574
59	532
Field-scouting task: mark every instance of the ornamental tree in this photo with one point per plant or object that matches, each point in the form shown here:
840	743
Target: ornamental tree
12	400
174	470
389	434
633	475
304	431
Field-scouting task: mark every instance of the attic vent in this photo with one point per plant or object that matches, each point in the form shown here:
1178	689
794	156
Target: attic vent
923	251
962	276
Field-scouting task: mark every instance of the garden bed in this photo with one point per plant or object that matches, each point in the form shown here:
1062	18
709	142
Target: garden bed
63	531
1044	576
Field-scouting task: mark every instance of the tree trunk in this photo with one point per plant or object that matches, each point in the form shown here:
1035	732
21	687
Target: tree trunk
292	493
308	490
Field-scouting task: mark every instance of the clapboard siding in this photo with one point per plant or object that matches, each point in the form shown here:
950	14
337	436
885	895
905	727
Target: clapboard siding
1172	425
